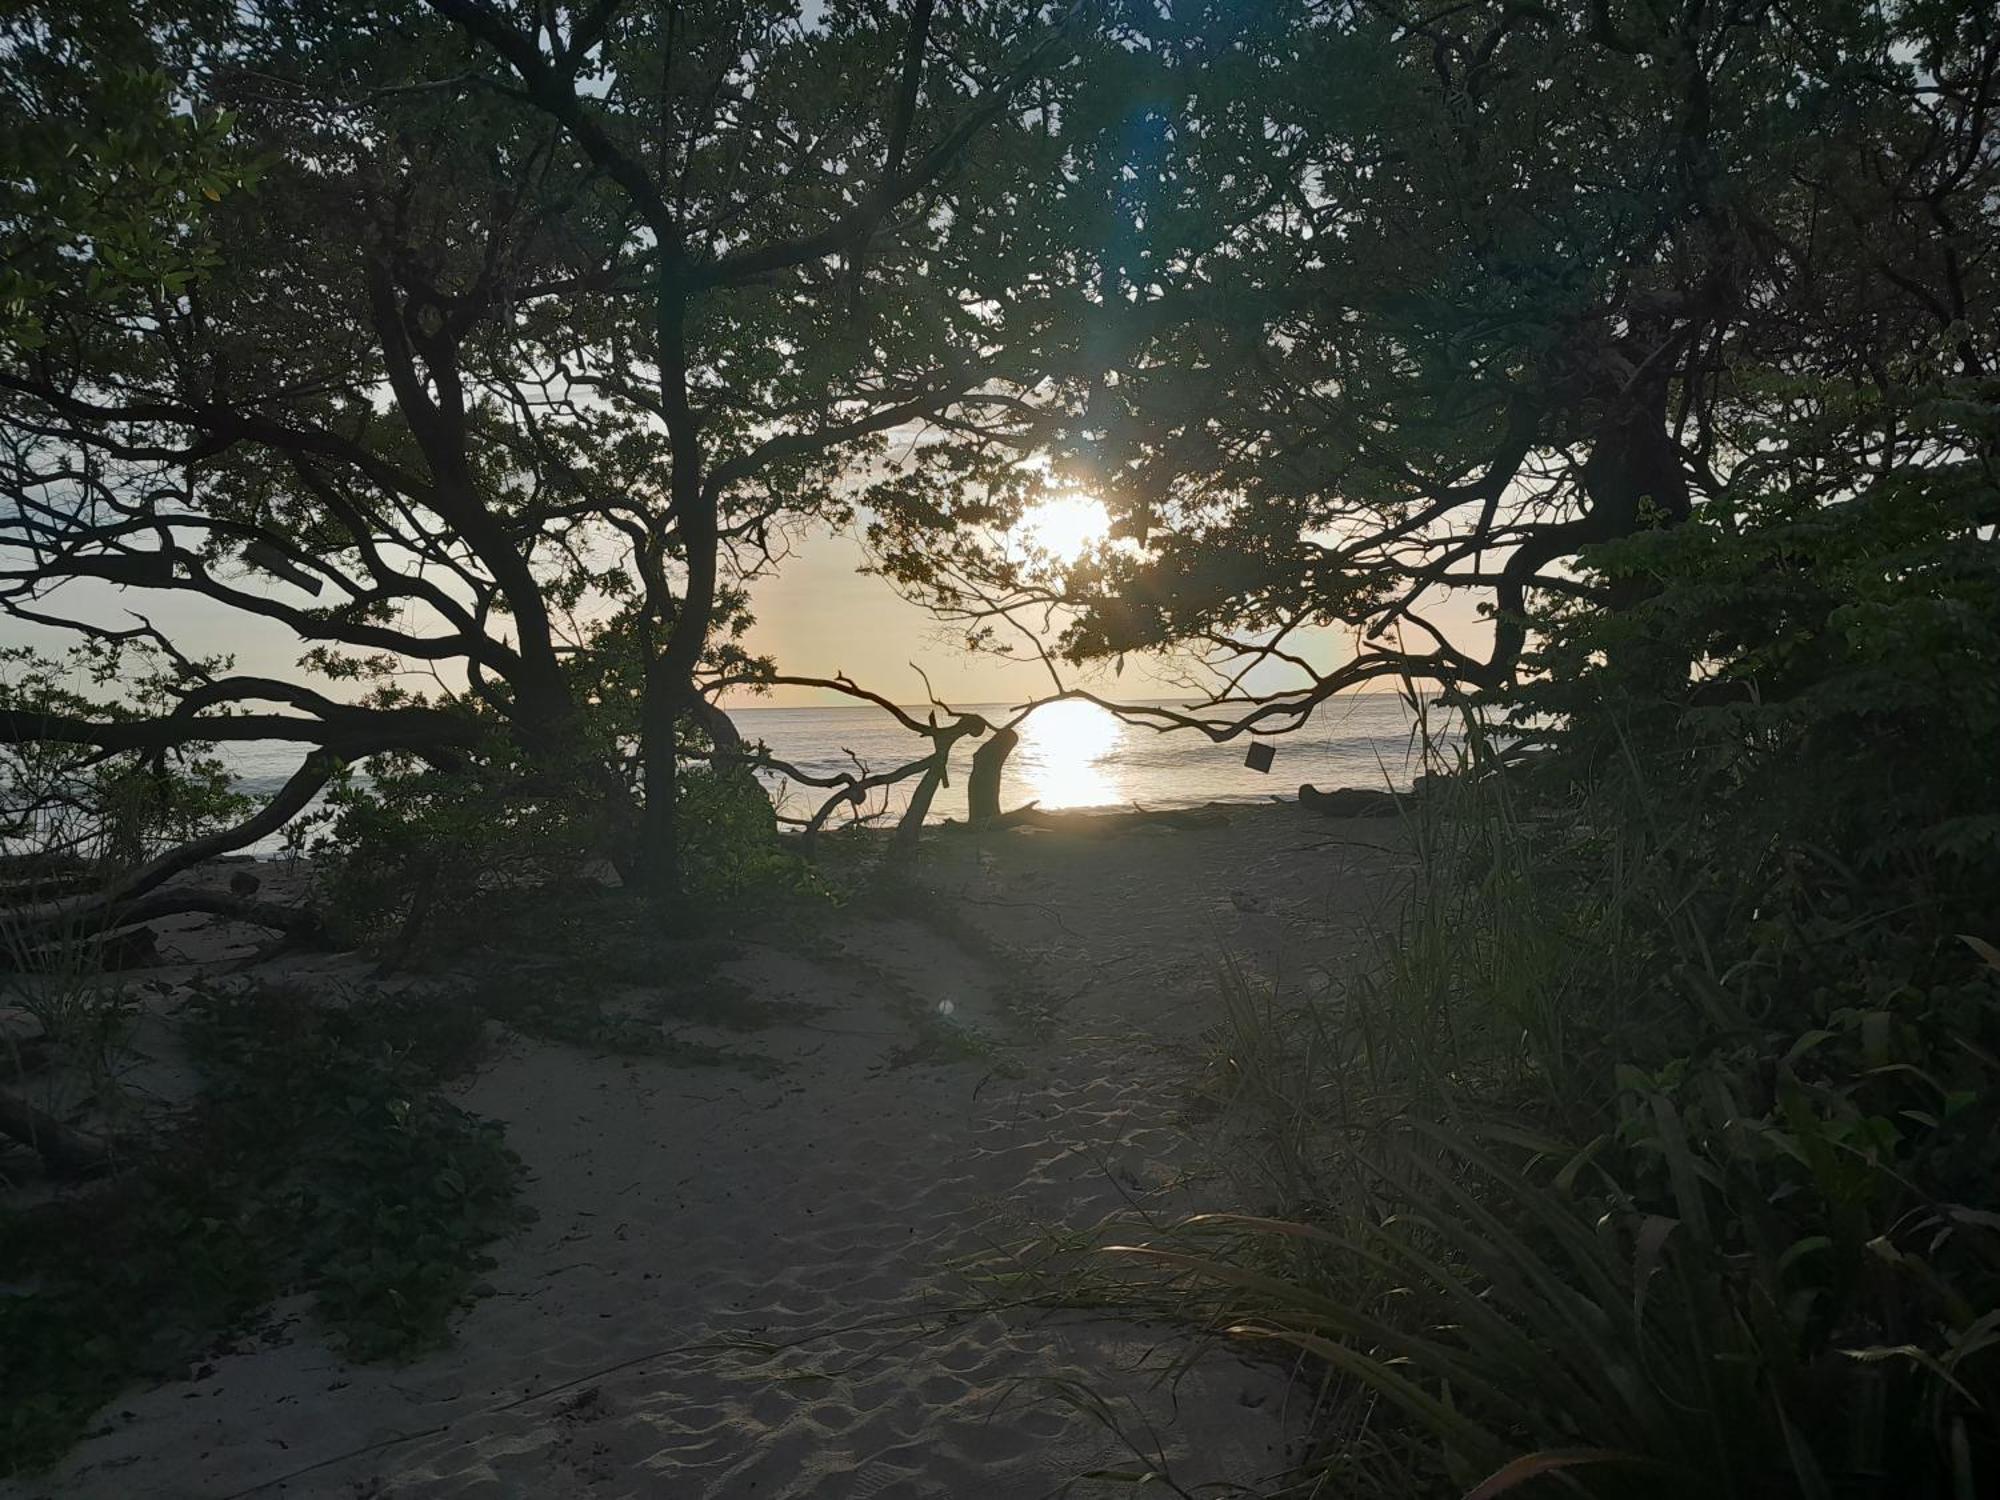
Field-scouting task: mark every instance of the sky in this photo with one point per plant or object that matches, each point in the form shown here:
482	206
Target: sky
819	615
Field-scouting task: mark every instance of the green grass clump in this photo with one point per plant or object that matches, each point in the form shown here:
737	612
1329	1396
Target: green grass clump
319	1158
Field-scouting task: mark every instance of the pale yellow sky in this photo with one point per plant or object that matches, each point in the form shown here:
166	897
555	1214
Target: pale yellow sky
818	616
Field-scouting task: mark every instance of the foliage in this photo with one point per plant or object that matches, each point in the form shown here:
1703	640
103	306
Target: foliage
109	810
319	1159
1659	1150
424	848
735	865
617	299
418	846
105	176
1404	305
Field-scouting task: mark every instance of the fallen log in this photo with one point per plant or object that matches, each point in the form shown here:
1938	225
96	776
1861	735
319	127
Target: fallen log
116	938
294	921
1352	802
1103	822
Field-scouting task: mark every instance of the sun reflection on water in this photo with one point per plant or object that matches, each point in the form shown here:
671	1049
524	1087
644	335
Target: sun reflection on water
1063	752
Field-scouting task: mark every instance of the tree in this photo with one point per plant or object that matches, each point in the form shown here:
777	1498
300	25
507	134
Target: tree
204	432
1423	302
819	261
609	304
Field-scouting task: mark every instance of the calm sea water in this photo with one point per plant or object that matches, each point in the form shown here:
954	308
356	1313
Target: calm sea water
1071	755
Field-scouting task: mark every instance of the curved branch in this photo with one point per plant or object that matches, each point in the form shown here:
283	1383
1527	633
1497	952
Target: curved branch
108	908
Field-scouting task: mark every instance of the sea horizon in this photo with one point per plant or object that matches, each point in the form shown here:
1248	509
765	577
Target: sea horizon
1072	756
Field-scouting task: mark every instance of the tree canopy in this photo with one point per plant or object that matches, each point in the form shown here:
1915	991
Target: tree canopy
1418	304
524	348
509	345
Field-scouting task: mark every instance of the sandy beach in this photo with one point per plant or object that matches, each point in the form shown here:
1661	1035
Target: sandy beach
765	1282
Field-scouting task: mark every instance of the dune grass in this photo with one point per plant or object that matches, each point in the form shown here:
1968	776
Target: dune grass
1641	1161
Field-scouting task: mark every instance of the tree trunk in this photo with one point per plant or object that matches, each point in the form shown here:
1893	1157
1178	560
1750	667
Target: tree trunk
982	785
659	862
912	826
1635	468
1635	480
723	736
670	675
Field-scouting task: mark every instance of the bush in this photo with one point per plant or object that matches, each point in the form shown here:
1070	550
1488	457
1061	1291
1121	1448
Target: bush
732	857
1660	1150
437	850
319	1159
420	847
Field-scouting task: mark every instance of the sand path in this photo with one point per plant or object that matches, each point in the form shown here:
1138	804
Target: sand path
745	1286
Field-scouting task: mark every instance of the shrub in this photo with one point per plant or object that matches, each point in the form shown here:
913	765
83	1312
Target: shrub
1659	1150
420	847
318	1158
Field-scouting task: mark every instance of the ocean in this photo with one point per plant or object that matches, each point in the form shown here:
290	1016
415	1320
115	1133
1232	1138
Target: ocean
1071	756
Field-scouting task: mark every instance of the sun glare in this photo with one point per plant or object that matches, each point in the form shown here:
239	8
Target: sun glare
1065	527
1062	755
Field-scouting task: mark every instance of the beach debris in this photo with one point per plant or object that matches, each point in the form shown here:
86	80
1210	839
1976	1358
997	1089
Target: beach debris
1350	802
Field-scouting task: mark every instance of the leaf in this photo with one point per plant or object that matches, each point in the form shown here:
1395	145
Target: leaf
1517	1471
1647	1248
1983	948
1878	1353
1812	1244
1681	1168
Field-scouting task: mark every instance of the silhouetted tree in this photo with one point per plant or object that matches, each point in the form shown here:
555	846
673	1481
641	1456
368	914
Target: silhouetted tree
534	339
1421	302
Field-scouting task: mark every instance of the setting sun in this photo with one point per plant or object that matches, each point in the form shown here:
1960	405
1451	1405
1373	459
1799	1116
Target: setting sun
1065	528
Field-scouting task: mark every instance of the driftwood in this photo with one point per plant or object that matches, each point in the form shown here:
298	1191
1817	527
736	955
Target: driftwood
65	1150
293	921
120	940
45	887
936	774
1034	816
1353	802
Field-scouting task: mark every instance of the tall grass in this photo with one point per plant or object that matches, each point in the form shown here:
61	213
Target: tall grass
72	1055
1652	1156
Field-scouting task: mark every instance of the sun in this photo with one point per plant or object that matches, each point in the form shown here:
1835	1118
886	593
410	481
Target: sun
1065	527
